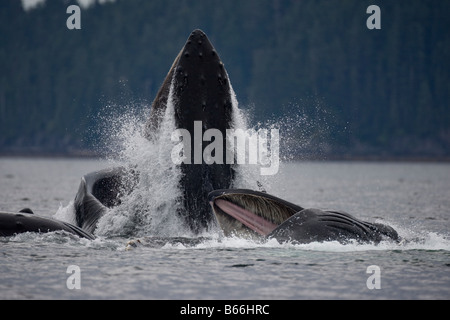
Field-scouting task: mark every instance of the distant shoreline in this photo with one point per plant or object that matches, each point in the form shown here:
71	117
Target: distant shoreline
89	154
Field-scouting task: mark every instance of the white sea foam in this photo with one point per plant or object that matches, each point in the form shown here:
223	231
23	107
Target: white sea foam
66	213
151	207
430	241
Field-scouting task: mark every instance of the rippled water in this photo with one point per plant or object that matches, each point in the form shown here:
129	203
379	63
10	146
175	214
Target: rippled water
412	197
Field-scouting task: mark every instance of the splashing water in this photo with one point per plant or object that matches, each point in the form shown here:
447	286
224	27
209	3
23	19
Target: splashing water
150	209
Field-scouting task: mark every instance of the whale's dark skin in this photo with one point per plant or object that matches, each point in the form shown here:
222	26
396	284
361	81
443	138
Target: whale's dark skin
25	221
242	211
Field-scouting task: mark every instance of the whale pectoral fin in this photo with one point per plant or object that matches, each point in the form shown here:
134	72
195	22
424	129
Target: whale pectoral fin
311	225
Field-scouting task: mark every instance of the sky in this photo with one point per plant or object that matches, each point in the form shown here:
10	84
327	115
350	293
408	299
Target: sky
31	4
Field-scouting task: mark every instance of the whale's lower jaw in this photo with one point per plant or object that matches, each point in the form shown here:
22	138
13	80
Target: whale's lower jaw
245	212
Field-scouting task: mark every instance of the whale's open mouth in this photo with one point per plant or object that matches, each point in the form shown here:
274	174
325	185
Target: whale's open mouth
248	218
245	211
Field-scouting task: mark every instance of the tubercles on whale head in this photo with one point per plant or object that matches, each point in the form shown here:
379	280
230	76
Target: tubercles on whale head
200	81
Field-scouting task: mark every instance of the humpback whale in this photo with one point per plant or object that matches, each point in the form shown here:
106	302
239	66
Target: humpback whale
251	213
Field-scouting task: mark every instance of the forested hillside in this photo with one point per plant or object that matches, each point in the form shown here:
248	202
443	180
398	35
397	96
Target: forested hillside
378	92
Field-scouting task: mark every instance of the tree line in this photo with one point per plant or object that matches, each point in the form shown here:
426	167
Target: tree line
360	91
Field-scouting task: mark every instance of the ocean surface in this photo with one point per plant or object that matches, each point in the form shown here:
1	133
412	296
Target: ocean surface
414	198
